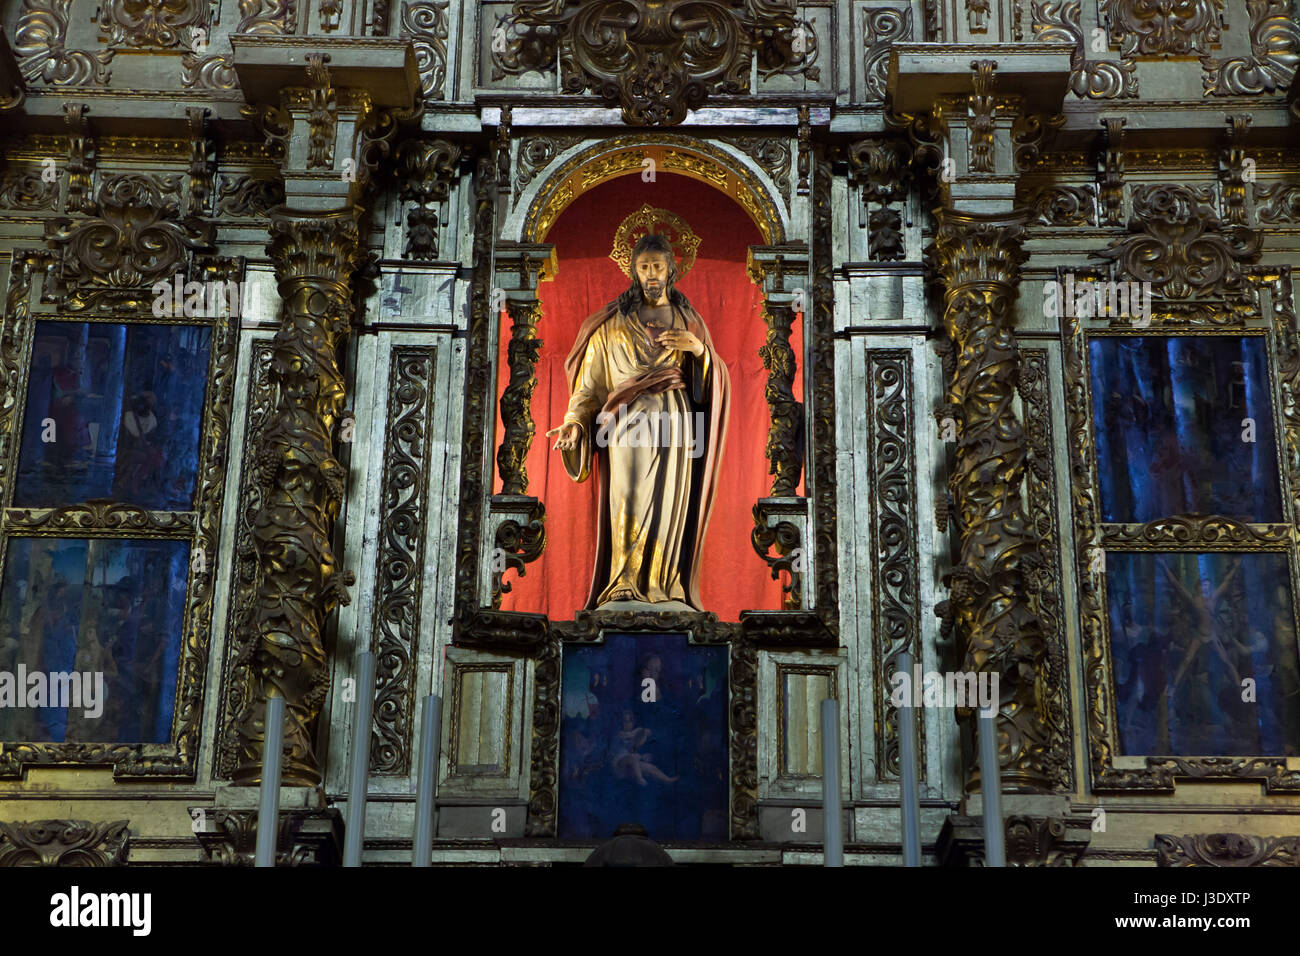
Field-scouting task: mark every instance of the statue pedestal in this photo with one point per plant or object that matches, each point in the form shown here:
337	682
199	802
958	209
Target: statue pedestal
665	607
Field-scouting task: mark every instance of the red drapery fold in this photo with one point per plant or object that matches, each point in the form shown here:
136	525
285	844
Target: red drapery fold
734	577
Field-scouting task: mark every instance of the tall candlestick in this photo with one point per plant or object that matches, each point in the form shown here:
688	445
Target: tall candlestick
991	792
268	813
833	838
355	833
430	731
910	799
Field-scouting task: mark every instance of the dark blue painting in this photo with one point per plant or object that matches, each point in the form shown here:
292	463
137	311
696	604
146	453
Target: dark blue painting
113	411
105	606
644	738
1186	631
1168	414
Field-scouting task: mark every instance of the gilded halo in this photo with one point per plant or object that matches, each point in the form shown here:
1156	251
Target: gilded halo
649	219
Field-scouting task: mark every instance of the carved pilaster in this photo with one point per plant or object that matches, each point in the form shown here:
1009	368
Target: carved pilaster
64	843
517	399
997	630
281	636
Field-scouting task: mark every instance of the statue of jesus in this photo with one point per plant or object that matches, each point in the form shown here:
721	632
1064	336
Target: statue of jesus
649	399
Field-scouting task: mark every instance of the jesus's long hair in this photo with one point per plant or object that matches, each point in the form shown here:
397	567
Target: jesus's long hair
634	297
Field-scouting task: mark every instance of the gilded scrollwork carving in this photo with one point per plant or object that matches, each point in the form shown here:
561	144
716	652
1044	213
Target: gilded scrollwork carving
64	843
27	191
1232	171
1180	246
515	544
322	120
1044	576
203	164
426	171
982	107
787	538
304	837
280	635
895	611
267	17
400	559
1057	21
40	44
1185	28
1279	202
1031	135
101	514
656	61
216	72
1202	532
426	24
248	196
1226	850
882	27
538	152
989	608
151	23
1275	54
769	152
110	260
1063	205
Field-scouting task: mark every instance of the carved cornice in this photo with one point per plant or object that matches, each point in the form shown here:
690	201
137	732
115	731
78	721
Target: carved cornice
399	560
1226	850
64	843
657	60
997	628
300	484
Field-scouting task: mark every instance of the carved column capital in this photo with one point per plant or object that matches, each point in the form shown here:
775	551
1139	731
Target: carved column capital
1030	841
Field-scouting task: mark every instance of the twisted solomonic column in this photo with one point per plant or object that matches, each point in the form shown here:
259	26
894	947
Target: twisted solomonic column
997	630
300	485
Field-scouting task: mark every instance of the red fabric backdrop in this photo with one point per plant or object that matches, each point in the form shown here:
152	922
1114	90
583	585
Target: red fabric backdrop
734	577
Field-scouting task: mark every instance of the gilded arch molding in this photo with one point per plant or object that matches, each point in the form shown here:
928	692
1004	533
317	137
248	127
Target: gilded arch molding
625	155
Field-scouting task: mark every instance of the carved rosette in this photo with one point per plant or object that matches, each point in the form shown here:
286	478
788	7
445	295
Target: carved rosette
997	630
298	583
63	843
